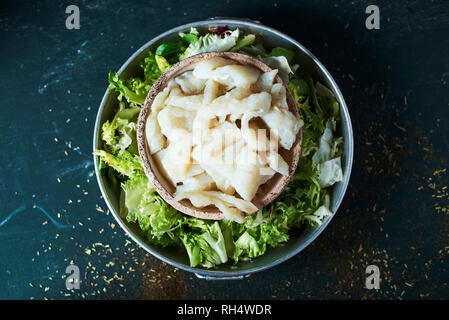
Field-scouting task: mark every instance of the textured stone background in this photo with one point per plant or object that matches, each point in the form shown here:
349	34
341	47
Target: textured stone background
395	213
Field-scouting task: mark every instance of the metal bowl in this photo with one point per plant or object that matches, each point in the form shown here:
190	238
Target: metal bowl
309	65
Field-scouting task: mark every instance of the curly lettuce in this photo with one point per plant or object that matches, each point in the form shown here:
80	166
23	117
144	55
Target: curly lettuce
135	89
212	42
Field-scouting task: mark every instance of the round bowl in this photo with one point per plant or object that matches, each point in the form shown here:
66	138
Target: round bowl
309	65
266	192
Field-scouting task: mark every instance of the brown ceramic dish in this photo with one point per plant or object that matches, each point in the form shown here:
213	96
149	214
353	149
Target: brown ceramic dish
266	192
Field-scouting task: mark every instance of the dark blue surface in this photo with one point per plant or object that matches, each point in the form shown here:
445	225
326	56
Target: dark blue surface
395	213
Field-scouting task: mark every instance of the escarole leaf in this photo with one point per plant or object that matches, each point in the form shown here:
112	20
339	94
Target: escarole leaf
136	89
193	249
150	69
215	239
329	168
162	63
318	216
126	136
126	163
211	42
324	152
191	36
247	247
328	101
134	188
150	211
120	134
131	95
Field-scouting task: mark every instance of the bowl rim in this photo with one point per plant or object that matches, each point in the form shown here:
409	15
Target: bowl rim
349	156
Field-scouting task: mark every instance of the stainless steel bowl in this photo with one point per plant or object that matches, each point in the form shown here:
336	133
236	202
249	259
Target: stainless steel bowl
309	65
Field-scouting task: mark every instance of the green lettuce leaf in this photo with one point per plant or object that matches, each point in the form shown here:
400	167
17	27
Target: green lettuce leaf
193	249
327	100
211	42
324	152
136	89
215	239
313	123
329	168
134	189
129	92
169	50
159	219
246	247
256	50
279	51
120	135
206	249
162	63
318	216
244	42
125	163
190	37
151	70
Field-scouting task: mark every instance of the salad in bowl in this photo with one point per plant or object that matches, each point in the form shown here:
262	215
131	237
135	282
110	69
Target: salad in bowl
305	201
